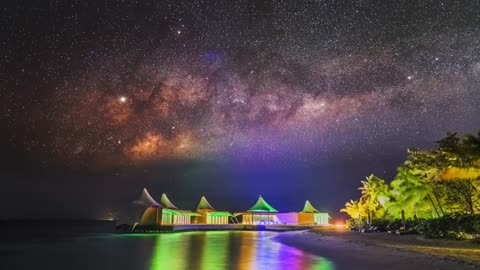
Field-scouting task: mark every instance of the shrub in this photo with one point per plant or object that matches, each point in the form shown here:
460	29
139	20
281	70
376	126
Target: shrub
456	227
380	224
355	224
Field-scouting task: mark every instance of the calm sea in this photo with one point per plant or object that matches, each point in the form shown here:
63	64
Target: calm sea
188	250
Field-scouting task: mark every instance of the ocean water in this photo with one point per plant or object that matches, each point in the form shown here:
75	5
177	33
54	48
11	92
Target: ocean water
187	250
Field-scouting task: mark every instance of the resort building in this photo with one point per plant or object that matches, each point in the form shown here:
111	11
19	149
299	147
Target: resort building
208	214
260	213
287	218
311	216
163	213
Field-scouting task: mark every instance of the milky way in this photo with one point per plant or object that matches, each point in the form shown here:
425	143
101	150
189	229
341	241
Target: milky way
278	81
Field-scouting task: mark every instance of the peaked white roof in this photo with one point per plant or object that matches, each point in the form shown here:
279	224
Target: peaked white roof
309	208
166	202
204	205
146	199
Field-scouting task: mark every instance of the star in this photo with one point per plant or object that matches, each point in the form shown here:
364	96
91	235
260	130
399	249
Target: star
309	87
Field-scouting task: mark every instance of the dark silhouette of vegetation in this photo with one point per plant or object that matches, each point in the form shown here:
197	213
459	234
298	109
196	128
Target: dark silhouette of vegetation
456	227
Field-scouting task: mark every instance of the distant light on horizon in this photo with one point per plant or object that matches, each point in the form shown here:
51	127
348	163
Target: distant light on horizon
339	224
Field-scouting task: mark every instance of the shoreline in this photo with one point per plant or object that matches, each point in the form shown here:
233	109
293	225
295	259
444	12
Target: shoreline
213	227
348	251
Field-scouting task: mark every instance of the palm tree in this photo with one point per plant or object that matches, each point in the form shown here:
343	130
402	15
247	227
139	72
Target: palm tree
355	209
411	194
374	194
450	172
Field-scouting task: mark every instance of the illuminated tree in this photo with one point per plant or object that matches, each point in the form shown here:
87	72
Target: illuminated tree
431	183
451	171
356	210
411	194
374	194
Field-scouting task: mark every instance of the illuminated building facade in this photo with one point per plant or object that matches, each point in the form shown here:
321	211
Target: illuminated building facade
260	213
208	214
163	213
311	216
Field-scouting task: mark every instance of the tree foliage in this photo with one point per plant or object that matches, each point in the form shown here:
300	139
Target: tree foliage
432	183
371	204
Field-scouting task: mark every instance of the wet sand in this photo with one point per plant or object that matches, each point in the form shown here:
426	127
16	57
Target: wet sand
349	250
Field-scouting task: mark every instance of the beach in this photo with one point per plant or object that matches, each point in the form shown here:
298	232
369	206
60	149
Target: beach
350	250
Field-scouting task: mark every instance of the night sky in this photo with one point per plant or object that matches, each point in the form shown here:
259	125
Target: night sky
292	100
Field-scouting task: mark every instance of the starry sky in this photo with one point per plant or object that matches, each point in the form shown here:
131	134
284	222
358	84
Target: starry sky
229	99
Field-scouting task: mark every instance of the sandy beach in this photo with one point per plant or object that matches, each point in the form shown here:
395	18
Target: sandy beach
352	250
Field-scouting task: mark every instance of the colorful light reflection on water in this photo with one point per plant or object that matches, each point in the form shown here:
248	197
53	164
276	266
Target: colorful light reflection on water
230	250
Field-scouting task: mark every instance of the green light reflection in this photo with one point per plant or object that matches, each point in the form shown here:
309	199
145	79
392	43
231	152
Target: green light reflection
230	250
215	251
323	264
169	252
